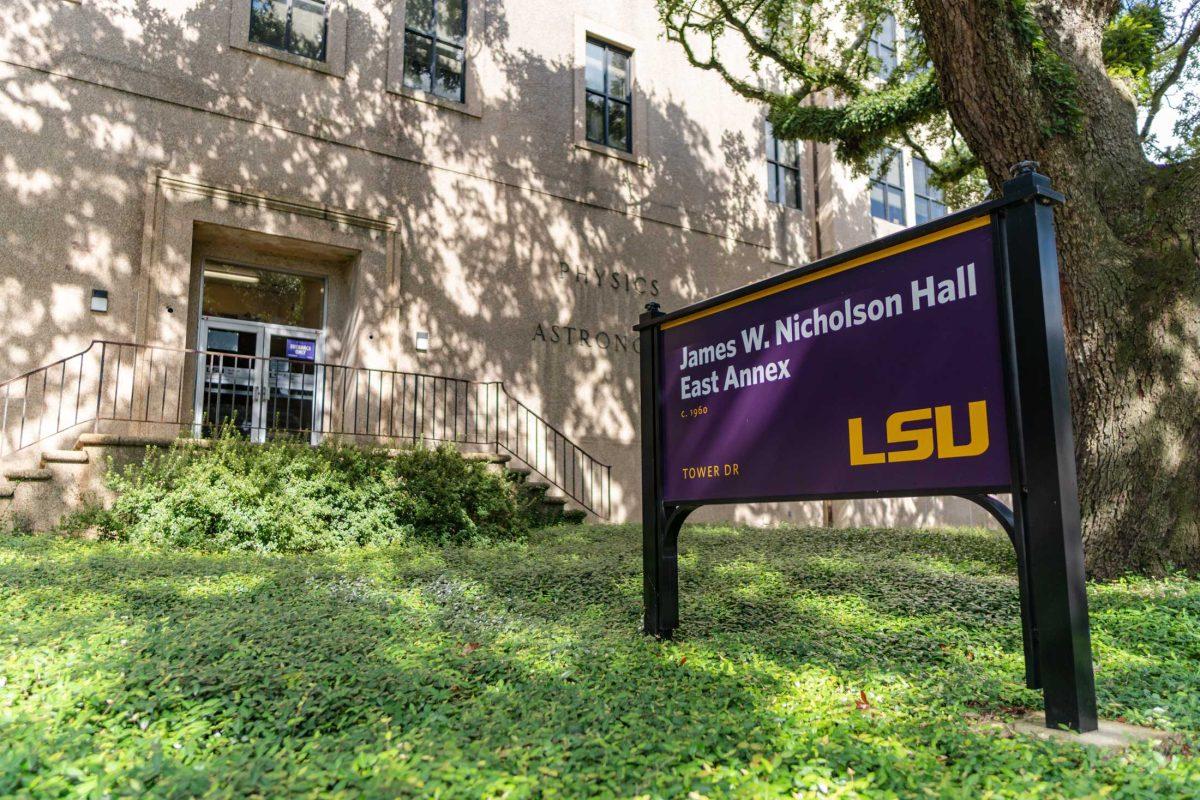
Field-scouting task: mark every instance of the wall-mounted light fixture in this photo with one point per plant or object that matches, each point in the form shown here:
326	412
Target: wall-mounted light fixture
422	342
100	301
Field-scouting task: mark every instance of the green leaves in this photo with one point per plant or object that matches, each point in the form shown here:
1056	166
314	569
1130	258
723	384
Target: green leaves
811	663
1132	41
288	497
865	123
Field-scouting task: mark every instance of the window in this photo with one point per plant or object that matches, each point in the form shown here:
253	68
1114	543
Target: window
883	46
263	295
435	55
927	197
887	186
293	26
783	171
608	96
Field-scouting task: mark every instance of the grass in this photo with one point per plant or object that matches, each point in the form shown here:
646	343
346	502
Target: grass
810	663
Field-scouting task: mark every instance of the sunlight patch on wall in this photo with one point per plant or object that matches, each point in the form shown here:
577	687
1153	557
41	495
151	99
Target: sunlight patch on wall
460	289
20	115
92	253
66	304
110	135
46	94
23	315
26	185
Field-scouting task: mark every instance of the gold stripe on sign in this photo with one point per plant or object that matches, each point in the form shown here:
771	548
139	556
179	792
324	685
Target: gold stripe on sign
936	236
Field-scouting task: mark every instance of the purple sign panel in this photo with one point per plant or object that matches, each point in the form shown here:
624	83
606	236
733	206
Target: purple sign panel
882	373
302	349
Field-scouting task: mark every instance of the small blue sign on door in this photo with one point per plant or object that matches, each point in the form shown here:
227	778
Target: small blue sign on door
302	349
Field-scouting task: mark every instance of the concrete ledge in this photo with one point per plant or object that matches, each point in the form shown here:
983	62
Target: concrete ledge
1110	734
7	491
488	458
65	457
20	475
117	440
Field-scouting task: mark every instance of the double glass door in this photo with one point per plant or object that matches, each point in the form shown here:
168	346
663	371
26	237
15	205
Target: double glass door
262	378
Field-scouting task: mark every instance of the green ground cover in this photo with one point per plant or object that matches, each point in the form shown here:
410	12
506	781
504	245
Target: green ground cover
810	663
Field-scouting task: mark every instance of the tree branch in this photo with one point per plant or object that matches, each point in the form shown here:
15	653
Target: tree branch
1171	78
864	123
1183	25
677	30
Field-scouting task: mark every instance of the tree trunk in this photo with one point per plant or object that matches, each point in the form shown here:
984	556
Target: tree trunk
1128	241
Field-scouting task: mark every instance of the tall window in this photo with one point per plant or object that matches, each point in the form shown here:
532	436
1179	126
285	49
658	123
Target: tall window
927	197
883	46
293	26
783	171
609	100
435	39
887	186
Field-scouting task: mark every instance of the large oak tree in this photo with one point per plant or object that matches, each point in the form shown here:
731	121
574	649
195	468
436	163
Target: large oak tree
1074	85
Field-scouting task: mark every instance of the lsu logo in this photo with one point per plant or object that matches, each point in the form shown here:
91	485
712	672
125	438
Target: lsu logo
912	437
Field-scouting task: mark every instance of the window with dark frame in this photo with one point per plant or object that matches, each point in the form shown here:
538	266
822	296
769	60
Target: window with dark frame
887	186
435	47
299	27
608	102
927	198
883	46
783	171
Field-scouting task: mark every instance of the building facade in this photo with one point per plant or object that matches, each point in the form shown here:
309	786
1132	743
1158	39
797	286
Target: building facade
485	189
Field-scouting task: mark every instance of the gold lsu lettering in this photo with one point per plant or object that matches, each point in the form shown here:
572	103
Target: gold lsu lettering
904	428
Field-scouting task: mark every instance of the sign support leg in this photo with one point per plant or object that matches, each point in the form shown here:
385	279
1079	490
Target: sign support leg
1048	500
660	584
1008	520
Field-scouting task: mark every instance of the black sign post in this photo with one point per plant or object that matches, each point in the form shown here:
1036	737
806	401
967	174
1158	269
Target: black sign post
1044	523
1046	494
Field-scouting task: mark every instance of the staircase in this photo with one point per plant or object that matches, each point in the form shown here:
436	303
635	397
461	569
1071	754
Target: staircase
134	396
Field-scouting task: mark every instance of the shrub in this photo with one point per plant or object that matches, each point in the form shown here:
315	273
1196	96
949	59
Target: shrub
286	496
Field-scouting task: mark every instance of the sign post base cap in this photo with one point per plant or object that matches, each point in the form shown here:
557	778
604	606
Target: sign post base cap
1109	734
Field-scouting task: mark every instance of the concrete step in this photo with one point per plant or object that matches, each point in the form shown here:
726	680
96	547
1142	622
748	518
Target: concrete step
65	457
533	488
7	490
488	458
574	516
27	475
120	440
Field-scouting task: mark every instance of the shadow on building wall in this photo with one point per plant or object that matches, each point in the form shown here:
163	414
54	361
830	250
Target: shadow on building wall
510	241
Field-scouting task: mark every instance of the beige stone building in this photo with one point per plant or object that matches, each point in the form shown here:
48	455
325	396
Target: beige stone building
489	190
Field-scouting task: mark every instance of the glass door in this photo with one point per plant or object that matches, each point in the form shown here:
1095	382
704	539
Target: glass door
263	379
290	398
228	389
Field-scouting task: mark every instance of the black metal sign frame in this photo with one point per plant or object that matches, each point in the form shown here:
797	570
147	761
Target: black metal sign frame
1044	522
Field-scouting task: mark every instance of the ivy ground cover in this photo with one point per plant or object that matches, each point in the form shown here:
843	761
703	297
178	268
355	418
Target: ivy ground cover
810	663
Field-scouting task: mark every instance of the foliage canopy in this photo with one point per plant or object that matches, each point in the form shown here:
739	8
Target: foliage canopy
810	63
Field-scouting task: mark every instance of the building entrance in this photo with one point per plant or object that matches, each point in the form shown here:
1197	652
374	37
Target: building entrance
262	333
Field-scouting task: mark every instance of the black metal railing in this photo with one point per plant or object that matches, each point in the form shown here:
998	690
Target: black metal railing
152	387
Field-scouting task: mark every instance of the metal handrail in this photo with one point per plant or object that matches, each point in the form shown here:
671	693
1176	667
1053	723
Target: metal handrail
154	385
